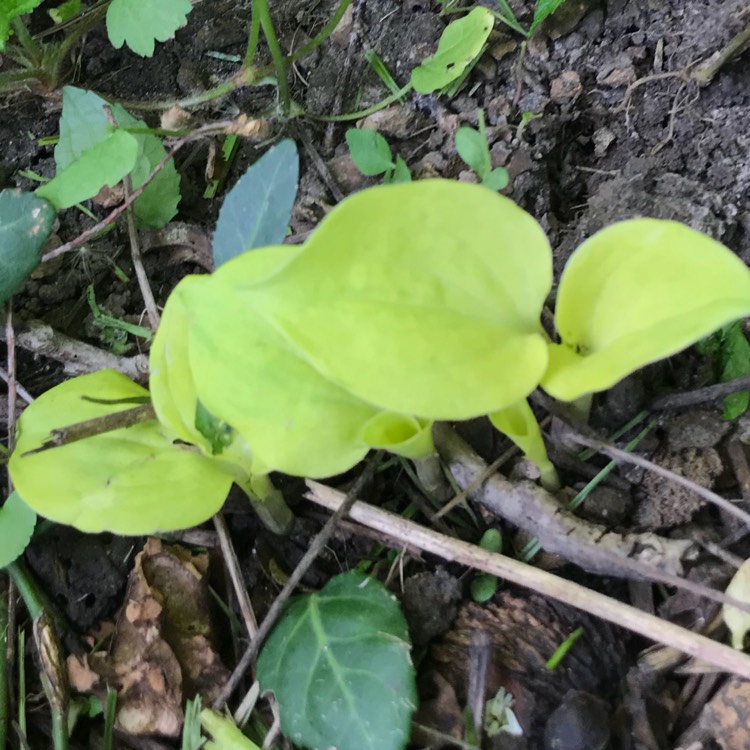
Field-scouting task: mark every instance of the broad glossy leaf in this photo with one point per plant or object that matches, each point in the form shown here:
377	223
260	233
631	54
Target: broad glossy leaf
141	23
17	521
129	481
257	210
9	9
459	44
247	374
173	391
105	163
406	436
338	662
25	223
634	293
420	299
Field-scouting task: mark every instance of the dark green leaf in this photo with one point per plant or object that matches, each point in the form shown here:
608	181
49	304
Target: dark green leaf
338	662
257	210
17	523
25	223
735	363
370	151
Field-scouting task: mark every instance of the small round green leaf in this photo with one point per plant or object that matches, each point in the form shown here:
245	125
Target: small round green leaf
25	223
370	151
17	521
338	662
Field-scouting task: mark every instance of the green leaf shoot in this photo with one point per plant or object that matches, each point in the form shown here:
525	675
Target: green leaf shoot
17	521
461	42
141	23
338	662
25	223
543	9
225	733
257	210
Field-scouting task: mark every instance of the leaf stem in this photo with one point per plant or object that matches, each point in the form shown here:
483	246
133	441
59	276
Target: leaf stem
260	7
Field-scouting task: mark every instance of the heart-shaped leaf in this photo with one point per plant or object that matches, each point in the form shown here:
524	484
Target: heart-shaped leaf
421	299
17	521
634	293
338	662
25	223
129	481
257	210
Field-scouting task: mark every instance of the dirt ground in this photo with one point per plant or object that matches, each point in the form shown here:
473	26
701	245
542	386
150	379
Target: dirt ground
600	119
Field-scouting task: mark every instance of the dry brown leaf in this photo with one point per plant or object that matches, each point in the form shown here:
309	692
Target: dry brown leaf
162	651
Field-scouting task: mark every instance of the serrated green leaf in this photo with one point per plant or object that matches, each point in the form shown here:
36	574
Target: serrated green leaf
17	521
129	481
620	304
369	151
25	223
735	356
459	45
444	280
105	163
544	9
84	124
141	23
338	662
10	9
257	210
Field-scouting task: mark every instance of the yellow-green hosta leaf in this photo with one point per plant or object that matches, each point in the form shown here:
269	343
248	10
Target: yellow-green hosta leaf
406	436
247	374
421	298
129	481
634	293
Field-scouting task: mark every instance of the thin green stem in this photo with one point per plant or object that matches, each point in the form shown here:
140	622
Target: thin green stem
252	40
279	60
394	97
26	587
323	34
268	503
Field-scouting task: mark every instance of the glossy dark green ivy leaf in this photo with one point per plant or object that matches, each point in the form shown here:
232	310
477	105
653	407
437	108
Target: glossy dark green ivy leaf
338	662
257	209
17	521
25	223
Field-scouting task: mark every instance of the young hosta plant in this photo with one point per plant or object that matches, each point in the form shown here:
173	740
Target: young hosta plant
338	662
